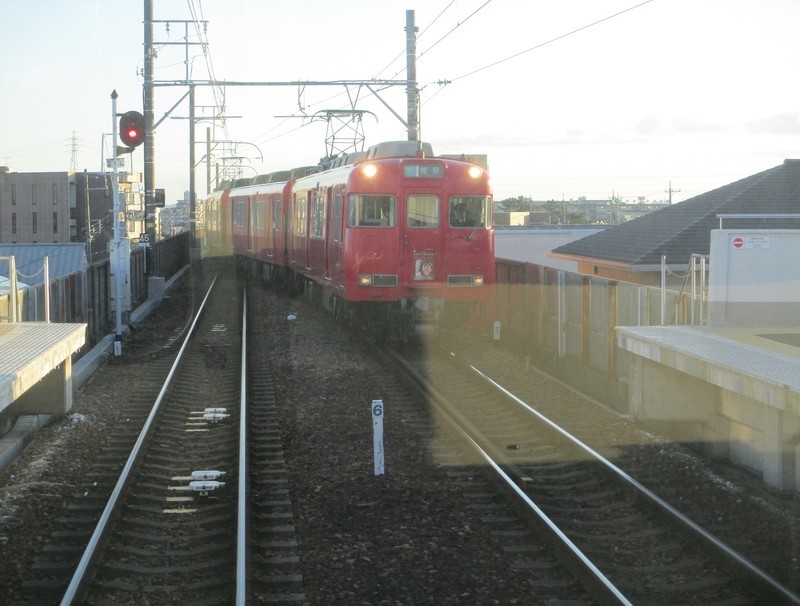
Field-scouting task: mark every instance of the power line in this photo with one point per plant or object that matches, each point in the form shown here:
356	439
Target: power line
557	38
459	24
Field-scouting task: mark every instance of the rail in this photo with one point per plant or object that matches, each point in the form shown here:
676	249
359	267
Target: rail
79	578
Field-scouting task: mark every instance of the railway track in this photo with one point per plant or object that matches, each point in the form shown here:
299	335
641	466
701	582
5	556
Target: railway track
170	523
628	545
50	575
363	537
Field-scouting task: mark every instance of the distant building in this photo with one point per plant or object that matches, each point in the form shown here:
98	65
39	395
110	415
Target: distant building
37	207
507	218
95	208
580	211
61	207
174	219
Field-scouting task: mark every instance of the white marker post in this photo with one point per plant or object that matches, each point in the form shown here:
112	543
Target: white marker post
377	435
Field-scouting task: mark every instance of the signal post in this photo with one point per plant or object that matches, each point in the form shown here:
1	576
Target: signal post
131	133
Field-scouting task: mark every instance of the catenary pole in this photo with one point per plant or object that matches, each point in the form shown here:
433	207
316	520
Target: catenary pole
149	120
412	96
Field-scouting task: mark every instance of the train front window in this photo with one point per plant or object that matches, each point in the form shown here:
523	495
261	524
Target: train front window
470	211
423	211
371	210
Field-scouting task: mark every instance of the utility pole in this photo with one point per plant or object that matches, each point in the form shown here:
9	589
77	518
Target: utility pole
670	191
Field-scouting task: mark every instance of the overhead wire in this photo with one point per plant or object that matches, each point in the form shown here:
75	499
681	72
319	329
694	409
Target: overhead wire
216	90
398	56
536	47
552	40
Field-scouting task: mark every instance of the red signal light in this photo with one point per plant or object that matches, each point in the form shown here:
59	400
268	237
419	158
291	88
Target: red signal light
131	128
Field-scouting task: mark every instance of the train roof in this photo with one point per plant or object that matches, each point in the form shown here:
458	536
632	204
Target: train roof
385	149
400	149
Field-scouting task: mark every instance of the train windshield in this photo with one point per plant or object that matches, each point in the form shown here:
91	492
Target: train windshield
371	210
423	210
470	211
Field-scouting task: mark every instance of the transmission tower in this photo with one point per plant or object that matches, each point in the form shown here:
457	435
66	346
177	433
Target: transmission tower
73	163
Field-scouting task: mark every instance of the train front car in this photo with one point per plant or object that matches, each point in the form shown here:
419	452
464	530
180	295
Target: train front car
404	243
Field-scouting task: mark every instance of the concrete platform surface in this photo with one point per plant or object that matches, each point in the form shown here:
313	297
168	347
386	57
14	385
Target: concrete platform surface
29	351
766	355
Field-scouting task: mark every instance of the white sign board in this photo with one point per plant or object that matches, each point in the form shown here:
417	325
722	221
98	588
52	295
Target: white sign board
377	435
754	277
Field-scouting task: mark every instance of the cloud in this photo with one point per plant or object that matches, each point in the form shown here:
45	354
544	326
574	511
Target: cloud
780	124
648	125
693	126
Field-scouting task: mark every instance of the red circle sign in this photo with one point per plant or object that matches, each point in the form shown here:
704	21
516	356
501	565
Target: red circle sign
738	242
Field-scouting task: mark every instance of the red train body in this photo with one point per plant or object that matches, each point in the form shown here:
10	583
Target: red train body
376	232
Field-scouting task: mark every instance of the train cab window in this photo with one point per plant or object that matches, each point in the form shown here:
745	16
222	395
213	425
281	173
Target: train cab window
423	211
371	210
470	211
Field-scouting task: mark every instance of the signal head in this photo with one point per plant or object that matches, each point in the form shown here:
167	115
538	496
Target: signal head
131	128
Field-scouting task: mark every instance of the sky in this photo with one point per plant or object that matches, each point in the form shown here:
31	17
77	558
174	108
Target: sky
567	98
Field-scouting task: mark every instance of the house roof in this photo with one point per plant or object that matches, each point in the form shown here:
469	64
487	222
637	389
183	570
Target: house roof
683	229
63	259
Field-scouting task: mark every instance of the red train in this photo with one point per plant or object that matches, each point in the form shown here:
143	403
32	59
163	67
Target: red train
374	235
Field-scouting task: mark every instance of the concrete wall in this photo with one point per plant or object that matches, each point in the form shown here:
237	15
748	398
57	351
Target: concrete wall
565	323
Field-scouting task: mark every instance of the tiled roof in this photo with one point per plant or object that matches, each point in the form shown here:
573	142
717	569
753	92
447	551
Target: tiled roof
63	259
683	229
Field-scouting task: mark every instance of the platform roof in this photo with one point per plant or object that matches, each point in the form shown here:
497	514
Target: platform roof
63	259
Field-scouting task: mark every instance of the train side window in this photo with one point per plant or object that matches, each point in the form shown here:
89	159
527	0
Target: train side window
371	210
470	211
258	214
300	214
239	213
276	212
318	216
423	211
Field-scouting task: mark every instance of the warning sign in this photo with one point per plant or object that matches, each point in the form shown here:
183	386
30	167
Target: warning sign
751	242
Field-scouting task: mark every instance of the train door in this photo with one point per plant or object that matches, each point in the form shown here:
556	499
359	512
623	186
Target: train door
333	257
422	240
278	249
298	249
317	251
241	225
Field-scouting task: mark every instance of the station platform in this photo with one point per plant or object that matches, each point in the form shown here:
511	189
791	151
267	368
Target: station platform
36	366
734	390
21	342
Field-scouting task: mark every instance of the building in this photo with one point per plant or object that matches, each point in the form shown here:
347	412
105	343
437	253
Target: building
632	251
175	218
61	207
95	208
37	207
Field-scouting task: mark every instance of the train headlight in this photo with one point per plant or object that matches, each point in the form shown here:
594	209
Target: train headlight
475	172
477	280
370	170
365	280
